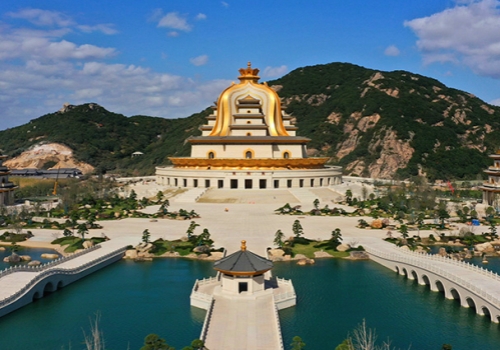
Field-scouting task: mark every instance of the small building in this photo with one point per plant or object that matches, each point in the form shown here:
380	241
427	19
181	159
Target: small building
6	187
136	154
491	188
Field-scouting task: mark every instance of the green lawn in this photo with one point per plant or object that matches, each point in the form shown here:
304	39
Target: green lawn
309	249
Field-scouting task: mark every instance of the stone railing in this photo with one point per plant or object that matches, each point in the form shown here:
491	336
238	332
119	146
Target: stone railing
25	268
464	264
206	322
420	263
278	327
57	271
286	295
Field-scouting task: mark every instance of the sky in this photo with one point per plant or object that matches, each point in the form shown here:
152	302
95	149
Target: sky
172	58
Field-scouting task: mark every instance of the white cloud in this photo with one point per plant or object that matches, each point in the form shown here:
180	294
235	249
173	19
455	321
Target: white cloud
199	61
392	50
39	45
275	71
107	29
495	102
174	21
468	33
173	34
225	4
201	16
43	17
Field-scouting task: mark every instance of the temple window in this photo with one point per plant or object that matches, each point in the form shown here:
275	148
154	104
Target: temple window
248	154
286	155
249	134
211	155
249	122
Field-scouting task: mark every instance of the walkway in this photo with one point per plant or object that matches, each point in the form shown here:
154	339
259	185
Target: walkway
22	284
472	285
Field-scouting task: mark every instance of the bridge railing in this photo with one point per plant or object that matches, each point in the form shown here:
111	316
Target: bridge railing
57	271
464	264
285	295
206	322
278	327
45	266
424	265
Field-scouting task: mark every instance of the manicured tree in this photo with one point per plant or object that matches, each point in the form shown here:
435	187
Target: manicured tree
67	233
297	343
192	226
197	344
493	229
278	238
348	196
204	238
473	214
443	215
404	231
364	192
154	342
82	230
159	196
316	203
145	236
297	229
336	237
164	207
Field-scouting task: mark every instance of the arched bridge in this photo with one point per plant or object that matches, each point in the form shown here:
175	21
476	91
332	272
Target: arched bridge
473	286
21	285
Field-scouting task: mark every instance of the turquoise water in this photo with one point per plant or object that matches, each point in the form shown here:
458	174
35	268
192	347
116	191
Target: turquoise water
135	299
35	254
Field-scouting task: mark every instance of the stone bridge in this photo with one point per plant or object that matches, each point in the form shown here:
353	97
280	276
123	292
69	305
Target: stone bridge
473	286
22	285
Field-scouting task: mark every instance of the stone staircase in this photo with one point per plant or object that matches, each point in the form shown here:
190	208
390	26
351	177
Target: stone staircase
304	195
190	196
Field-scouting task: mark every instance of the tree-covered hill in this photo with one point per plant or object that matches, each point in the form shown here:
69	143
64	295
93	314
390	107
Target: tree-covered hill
374	123
107	140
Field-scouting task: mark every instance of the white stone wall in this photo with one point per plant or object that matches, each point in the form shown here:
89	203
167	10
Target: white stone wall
238	151
248	179
230	284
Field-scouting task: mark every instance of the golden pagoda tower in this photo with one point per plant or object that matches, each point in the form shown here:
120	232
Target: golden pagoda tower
249	142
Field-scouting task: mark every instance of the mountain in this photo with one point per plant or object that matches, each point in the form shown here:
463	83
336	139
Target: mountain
374	123
386	124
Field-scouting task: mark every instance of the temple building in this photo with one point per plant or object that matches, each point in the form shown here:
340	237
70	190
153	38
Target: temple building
6	187
491	188
248	142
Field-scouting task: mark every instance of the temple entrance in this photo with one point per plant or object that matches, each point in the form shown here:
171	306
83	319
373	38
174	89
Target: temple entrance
220	183
234	183
242	287
248	183
262	183
207	183
276	183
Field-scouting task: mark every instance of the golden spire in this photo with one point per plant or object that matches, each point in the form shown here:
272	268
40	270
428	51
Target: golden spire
243	245
249	73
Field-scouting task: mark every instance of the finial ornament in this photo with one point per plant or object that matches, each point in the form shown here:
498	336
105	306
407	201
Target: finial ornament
249	73
243	245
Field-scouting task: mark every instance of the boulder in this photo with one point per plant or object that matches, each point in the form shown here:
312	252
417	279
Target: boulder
87	244
2	248
485	247
302	262
34	263
201	249
216	255
14	258
343	247
144	247
377	223
437	238
25	257
202	256
276	252
322	254
358	255
130	254
50	256
405	247
300	257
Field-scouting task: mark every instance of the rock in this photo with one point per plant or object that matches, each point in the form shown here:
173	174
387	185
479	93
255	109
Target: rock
276	252
191	256
376	224
143	259
442	252
25	257
302	262
358	255
144	247
34	263
2	248
117	214
300	257
201	249
202	256
14	258
343	247
437	238
87	244
50	256
405	247
130	254
88	206
287	258
322	254
485	247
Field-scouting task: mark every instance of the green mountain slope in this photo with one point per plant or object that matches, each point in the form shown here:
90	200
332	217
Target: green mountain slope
378	124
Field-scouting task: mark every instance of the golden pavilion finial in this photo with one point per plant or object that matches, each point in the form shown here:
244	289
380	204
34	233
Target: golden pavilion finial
249	73
243	245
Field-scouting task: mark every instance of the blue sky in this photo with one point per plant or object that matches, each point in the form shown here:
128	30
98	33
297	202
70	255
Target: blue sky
172	58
